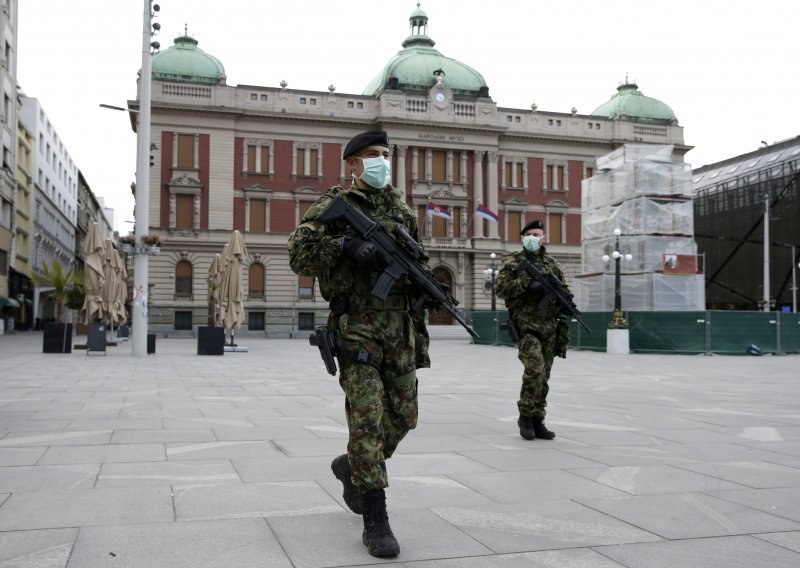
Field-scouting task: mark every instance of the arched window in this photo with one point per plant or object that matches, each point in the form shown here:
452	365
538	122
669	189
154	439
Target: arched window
255	281
183	279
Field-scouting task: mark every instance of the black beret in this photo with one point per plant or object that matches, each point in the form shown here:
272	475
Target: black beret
535	224
361	141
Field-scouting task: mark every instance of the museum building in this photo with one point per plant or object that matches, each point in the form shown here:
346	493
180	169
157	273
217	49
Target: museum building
254	158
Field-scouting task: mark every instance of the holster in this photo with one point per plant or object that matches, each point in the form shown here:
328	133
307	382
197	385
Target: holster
327	343
513	329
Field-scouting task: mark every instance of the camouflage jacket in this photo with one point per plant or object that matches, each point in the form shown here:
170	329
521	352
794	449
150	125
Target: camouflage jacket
521	301
315	248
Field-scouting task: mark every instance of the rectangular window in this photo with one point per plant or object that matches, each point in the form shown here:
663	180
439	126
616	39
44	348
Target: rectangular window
264	97
514	224
438	227
520	171
251	159
183	320
305	321
589	172
560	178
421	165
456	223
301	161
312	159
265	165
253	97
305	287
456	167
184	211
258	215
509	168
185	151
302	100
439	165
549	180
255	321
554	231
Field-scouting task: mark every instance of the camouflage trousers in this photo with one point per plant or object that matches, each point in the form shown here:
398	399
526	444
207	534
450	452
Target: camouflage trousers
536	354
378	378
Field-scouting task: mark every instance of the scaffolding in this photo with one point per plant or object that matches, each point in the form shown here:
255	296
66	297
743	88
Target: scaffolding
644	193
729	207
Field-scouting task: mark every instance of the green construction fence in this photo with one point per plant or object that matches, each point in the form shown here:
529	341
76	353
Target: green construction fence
713	331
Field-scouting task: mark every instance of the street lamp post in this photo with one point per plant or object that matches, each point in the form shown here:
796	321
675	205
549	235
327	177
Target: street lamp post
795	264
618	319
491	271
142	194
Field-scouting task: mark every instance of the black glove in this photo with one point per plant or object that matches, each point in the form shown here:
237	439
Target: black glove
359	250
534	286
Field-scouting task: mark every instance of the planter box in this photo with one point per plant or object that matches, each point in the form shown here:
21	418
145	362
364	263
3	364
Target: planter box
57	338
210	340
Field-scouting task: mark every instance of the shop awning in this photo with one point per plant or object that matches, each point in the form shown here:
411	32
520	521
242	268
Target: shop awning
8	302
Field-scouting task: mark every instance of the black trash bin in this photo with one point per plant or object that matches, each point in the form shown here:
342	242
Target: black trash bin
151	343
57	338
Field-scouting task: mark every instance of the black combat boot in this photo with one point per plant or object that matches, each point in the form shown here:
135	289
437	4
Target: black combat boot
341	469
525	424
541	430
377	535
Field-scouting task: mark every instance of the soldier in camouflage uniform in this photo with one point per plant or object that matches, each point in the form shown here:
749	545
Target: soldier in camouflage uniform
543	333
381	343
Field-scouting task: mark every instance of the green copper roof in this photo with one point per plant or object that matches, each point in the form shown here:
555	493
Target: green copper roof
630	104
186	62
418	67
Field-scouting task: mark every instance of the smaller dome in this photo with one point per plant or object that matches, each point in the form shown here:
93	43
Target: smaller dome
630	104
186	62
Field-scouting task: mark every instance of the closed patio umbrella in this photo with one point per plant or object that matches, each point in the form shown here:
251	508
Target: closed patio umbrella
93	275
110	284
214	273
121	289
231	293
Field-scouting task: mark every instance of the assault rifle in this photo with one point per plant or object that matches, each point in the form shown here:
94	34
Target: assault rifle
400	254
553	291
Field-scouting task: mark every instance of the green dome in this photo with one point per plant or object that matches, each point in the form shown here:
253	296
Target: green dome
186	62
419	66
630	104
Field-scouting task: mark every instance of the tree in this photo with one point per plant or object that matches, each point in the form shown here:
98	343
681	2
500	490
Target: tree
64	284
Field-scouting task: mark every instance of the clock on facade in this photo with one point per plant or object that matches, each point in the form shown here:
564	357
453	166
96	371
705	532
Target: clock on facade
439	97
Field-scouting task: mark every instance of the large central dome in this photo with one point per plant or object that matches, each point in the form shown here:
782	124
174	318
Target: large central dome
419	66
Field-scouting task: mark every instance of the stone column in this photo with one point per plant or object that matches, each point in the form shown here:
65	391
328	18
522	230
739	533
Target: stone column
401	169
477	194
492	192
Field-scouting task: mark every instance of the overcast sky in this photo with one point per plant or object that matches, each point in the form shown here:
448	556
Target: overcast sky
727	68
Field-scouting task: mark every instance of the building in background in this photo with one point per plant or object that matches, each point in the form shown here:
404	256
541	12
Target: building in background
730	202
9	305
254	158
55	200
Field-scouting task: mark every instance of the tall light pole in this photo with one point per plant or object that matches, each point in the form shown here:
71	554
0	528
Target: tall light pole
766	253
142	194
617	319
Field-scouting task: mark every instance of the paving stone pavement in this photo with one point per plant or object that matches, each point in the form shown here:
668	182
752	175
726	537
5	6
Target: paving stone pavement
178	460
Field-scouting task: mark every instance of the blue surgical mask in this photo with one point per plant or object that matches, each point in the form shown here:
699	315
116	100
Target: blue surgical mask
377	172
531	243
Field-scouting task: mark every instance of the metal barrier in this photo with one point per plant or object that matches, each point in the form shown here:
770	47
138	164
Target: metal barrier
712	331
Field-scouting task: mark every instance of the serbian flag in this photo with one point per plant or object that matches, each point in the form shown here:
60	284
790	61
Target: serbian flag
438	211
486	213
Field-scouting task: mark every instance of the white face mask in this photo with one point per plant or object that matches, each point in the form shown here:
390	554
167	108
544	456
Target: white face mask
531	242
377	172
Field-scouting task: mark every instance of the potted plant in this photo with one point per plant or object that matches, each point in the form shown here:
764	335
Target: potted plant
126	243
152	242
58	335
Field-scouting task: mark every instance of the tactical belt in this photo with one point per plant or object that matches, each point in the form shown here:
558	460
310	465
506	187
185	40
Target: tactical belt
393	302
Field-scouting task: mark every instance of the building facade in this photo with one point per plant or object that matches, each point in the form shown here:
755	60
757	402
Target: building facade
732	200
254	158
9	305
55	200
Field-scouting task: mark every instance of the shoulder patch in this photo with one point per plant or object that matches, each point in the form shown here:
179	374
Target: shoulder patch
302	234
